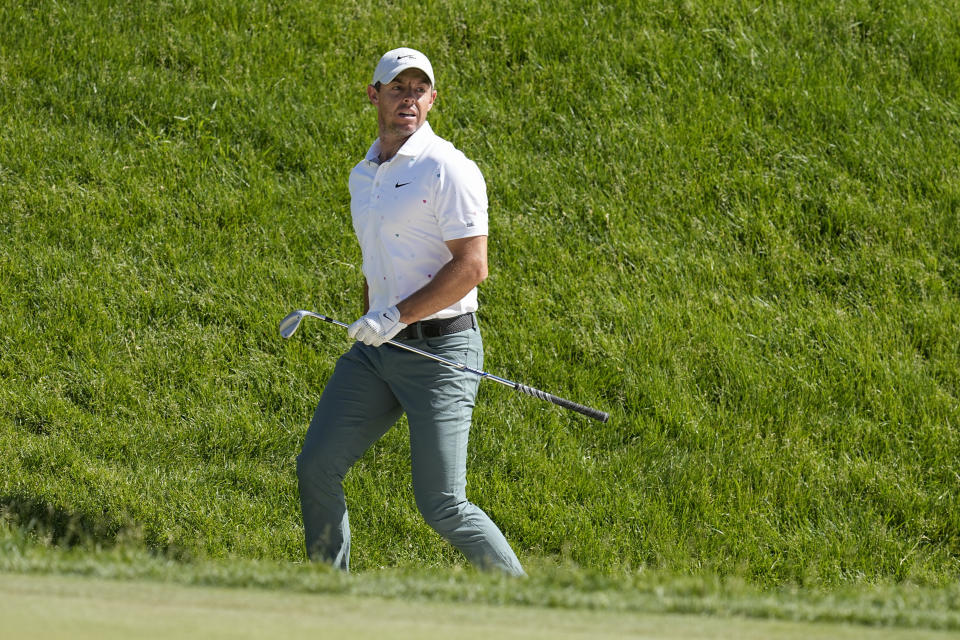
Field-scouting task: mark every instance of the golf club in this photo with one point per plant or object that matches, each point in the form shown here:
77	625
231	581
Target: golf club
290	324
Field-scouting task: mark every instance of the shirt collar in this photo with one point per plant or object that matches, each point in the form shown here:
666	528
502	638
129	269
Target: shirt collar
412	147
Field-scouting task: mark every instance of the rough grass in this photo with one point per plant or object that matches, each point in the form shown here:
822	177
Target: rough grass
732	226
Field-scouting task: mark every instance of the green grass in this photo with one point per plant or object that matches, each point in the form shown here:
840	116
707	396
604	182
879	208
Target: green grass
733	226
552	594
79	607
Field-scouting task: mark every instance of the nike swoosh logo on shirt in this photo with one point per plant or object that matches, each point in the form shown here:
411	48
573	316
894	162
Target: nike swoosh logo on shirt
400	184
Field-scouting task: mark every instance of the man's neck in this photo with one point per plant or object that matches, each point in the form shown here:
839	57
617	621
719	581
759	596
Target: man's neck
387	152
391	141
389	146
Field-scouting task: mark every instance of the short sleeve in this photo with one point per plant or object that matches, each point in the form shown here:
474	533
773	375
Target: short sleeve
461	199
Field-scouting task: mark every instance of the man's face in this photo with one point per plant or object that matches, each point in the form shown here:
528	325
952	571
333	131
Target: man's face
403	103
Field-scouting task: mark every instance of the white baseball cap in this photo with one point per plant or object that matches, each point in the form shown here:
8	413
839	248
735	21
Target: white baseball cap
397	60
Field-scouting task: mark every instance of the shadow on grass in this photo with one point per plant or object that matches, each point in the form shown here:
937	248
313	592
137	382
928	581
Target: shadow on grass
56	526
59	526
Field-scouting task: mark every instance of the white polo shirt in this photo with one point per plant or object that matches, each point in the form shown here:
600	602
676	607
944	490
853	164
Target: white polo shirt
405	209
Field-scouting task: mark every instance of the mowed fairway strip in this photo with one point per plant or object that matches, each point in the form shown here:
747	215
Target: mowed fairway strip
76	608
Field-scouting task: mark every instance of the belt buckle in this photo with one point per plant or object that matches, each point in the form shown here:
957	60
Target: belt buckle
415	331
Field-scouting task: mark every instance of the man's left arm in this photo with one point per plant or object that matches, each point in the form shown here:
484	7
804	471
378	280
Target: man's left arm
465	270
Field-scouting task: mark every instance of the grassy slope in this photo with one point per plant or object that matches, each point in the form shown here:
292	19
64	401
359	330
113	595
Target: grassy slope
732	226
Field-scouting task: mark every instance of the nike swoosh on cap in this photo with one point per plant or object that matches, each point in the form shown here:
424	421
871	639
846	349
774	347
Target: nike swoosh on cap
400	184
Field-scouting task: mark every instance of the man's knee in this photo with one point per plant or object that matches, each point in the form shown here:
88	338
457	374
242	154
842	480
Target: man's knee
316	468
443	512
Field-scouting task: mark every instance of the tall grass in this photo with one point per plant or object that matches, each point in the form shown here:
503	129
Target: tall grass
732	225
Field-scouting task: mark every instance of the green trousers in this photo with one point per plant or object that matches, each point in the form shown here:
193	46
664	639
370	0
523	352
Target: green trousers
371	387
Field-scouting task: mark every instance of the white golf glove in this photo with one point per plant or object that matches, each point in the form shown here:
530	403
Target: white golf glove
376	327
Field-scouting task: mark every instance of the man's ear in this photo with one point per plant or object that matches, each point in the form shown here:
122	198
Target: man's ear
372	94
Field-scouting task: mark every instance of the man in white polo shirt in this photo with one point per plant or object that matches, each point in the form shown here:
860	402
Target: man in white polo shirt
419	209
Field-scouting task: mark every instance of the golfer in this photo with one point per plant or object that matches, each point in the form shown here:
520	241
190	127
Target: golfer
419	210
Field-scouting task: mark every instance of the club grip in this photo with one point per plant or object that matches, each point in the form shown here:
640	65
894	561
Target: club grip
602	416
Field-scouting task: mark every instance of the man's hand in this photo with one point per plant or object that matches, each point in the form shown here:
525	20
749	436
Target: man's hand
376	327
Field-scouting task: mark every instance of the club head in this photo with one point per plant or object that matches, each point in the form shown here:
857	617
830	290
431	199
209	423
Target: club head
290	324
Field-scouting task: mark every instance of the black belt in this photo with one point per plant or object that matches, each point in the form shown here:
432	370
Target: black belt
437	327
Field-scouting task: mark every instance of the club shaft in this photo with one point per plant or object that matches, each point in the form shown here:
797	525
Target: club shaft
427	354
590	412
